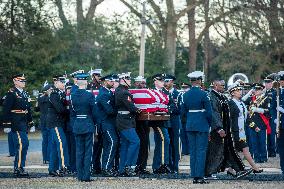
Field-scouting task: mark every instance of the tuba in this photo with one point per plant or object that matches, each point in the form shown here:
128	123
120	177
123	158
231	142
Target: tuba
237	77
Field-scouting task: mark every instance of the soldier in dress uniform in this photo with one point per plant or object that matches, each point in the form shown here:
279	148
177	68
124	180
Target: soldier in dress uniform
106	112
83	106
183	137
96	75
143	131
42	107
279	120
271	138
68	129
196	105
95	84
161	136
17	115
125	123
175	122
258	121
57	114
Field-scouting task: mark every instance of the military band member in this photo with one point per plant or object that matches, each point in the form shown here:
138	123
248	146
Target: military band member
17	115
238	116
143	131
258	121
196	105
175	122
279	121
83	105
106	112
56	120
125	123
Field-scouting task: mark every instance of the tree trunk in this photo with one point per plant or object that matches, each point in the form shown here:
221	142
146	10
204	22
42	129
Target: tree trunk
192	39
170	44
275	28
206	42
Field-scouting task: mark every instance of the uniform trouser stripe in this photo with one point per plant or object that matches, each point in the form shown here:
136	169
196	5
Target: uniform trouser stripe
60	146
20	149
163	144
110	150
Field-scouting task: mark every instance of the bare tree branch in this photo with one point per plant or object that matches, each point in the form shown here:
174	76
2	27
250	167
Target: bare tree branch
92	9
62	16
158	12
185	10
215	20
79	10
139	15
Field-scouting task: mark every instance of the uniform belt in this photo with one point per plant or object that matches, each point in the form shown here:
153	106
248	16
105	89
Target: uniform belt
81	116
193	111
19	111
124	112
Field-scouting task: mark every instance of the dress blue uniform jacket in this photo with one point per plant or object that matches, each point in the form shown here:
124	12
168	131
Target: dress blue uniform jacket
57	111
105	106
83	105
14	101
197	99
42	107
273	109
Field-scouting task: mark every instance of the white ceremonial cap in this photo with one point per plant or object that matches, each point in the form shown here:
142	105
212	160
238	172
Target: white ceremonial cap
140	78
196	75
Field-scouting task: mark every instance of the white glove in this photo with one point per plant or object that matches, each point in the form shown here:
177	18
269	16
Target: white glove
32	129
244	98
280	109
257	110
275	121
7	130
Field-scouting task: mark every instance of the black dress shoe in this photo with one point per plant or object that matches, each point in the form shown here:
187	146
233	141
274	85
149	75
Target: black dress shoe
271	155
62	172
108	173
231	174
53	174
130	171
200	181
167	169
258	171
244	173
96	171
20	172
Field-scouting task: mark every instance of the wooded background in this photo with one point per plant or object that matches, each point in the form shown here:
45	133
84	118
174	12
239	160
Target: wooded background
221	37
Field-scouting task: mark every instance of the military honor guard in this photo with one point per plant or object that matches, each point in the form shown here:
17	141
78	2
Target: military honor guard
17	115
83	106
42	107
271	137
57	114
277	110
197	107
161	136
143	131
175	122
106	114
96	75
125	123
183	137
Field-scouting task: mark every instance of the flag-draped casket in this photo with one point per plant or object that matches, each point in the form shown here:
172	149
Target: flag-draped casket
153	103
